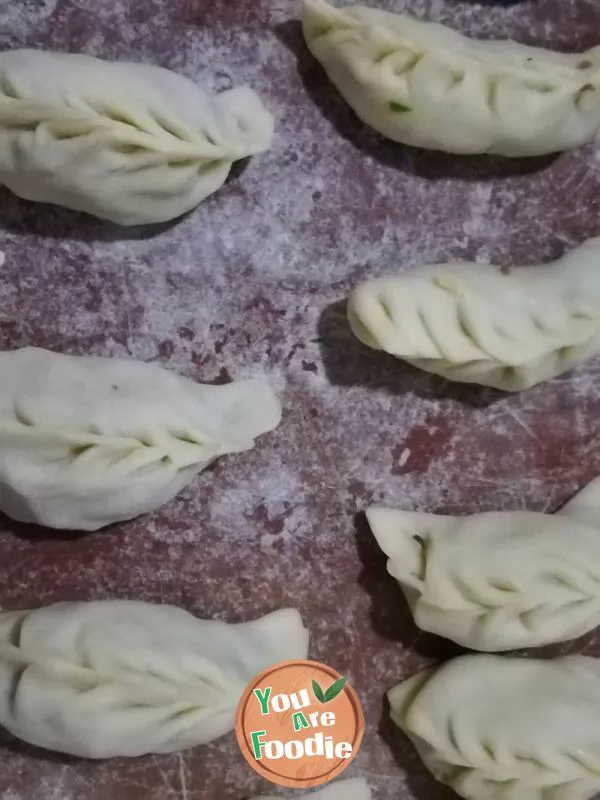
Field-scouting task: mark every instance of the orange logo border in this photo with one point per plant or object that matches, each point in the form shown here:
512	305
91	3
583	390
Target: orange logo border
243	735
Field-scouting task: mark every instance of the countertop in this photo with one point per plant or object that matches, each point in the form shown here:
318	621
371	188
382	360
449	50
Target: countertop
252	283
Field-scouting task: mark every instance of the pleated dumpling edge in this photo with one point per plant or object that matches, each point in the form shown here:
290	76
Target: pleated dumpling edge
130	143
498	580
126	678
502	728
427	85
88	441
506	327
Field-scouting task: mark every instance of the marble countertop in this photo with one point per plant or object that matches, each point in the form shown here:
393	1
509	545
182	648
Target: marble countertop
252	283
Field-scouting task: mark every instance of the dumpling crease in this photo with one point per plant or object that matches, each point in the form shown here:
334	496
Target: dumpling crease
130	143
498	580
509	328
125	678
427	85
499	728
85	442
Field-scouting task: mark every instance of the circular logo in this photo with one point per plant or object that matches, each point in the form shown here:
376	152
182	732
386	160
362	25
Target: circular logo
299	724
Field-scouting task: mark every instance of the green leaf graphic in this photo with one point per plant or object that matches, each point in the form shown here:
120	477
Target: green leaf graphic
331	693
335	689
400	107
318	692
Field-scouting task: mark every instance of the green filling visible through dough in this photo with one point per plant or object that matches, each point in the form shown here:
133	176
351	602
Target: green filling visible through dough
589	87
399	107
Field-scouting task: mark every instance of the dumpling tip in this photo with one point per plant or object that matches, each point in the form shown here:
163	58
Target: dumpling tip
398	534
255	123
357	324
253	409
318	18
284	634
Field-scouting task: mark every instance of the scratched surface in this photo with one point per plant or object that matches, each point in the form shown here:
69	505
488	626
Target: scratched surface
251	283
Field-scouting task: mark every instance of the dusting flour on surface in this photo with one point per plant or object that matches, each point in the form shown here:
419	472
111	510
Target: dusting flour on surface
252	283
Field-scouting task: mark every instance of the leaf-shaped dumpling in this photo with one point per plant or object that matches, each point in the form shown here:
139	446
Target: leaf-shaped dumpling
478	323
498	728
131	143
499	580
125	678
427	85
351	789
85	442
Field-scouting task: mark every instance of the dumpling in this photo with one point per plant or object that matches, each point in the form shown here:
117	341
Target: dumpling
500	580
352	789
427	85
124	678
498	728
85	442
131	143
477	323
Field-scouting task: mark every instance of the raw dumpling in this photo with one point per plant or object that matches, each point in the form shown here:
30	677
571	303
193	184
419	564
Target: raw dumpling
478	323
124	678
85	442
500	580
131	143
498	728
427	85
352	789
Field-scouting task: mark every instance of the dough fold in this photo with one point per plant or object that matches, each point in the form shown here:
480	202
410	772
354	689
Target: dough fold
478	323
499	580
498	728
126	678
427	85
86	442
130	143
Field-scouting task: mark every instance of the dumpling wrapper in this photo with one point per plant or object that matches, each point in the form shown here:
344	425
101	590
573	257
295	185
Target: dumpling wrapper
427	85
131	143
86	442
478	323
125	678
501	580
351	789
499	728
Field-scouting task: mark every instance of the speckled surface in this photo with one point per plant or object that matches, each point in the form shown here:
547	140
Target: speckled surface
251	283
